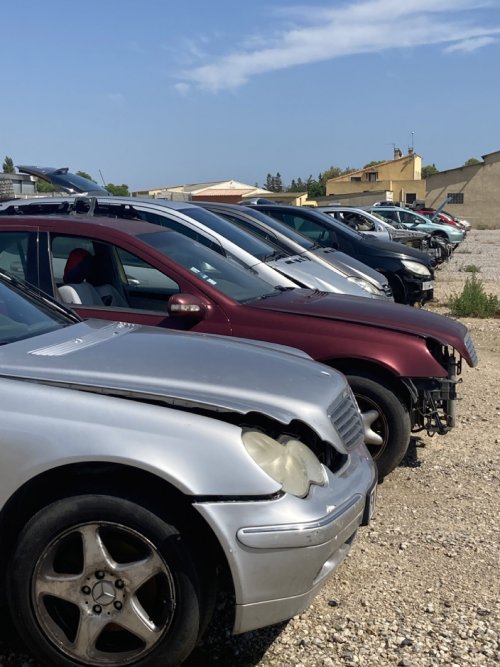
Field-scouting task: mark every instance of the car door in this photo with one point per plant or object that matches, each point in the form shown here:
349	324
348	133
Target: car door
143	289
19	254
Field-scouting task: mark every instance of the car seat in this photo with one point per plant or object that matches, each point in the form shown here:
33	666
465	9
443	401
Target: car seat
80	283
78	273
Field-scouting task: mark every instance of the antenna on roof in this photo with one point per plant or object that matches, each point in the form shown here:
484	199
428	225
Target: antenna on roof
102	179
411	149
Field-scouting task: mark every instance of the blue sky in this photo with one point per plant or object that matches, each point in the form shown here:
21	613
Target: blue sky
157	93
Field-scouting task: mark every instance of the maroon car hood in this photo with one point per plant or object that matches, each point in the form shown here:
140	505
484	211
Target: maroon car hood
374	313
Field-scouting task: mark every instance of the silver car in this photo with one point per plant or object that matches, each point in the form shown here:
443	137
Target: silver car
276	265
141	468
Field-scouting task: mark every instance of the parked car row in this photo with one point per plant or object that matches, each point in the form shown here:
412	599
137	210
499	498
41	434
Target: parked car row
188	409
369	221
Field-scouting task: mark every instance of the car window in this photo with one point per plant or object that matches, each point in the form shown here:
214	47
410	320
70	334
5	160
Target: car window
313	229
390	215
14	253
222	273
185	230
409	218
61	249
146	287
23	315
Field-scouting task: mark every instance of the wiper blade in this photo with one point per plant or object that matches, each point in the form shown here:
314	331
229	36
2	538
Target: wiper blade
276	254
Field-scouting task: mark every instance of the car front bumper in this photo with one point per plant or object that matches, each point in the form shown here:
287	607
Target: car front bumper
281	551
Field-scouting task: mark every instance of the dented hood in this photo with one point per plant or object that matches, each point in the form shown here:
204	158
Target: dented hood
184	369
375	314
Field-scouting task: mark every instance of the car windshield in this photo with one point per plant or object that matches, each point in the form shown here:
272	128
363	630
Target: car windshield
222	273
255	246
335	224
23	314
278	226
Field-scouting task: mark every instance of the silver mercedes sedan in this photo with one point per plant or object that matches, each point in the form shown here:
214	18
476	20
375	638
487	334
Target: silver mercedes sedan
143	470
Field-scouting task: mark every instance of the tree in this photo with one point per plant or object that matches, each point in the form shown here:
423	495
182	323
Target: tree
315	188
84	174
8	166
467	163
274	183
429	170
332	172
373	163
118	190
43	186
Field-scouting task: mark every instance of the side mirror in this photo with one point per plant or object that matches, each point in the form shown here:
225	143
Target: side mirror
187	306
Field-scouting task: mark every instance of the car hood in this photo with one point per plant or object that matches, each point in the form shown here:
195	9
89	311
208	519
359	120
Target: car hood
393	249
371	313
351	266
315	275
180	369
62	179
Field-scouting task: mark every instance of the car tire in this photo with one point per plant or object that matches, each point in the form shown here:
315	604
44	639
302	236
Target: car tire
100	580
386	421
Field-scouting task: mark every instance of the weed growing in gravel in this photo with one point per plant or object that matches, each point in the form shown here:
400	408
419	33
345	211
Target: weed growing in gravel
474	301
471	268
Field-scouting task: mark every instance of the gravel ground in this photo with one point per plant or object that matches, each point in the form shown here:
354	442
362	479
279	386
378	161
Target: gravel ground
420	587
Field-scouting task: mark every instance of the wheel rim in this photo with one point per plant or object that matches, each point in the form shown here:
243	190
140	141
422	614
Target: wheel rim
375	426
103	594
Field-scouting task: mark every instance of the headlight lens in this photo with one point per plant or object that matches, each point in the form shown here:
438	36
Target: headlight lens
416	267
288	461
364	284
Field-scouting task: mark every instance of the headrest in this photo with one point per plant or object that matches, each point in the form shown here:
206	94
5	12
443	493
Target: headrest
79	266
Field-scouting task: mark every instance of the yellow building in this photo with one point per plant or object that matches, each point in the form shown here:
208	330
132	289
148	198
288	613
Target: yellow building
398	180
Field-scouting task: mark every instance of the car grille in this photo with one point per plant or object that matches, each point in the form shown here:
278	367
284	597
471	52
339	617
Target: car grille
346	419
469	344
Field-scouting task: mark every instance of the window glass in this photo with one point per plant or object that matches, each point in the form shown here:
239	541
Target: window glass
61	248
22	315
222	273
13	253
140	274
185	230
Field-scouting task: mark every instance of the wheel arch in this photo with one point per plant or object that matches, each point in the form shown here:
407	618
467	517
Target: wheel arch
369	369
117	480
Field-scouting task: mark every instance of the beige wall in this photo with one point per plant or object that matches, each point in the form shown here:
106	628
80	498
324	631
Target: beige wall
398	177
396	190
480	185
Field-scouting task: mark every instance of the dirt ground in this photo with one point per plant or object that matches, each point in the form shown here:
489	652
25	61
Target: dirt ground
421	585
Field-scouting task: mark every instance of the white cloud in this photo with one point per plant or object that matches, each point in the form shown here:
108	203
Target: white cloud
328	32
468	45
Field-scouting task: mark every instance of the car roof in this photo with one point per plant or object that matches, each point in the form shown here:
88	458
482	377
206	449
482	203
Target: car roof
84	224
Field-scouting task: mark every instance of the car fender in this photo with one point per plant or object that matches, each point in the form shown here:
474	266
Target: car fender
199	455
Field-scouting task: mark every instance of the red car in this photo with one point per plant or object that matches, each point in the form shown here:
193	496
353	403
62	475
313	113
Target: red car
442	217
402	363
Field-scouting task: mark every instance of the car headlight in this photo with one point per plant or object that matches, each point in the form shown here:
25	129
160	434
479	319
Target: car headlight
416	267
288	461
364	284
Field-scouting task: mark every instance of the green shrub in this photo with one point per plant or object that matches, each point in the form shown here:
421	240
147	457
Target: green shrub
474	301
471	268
